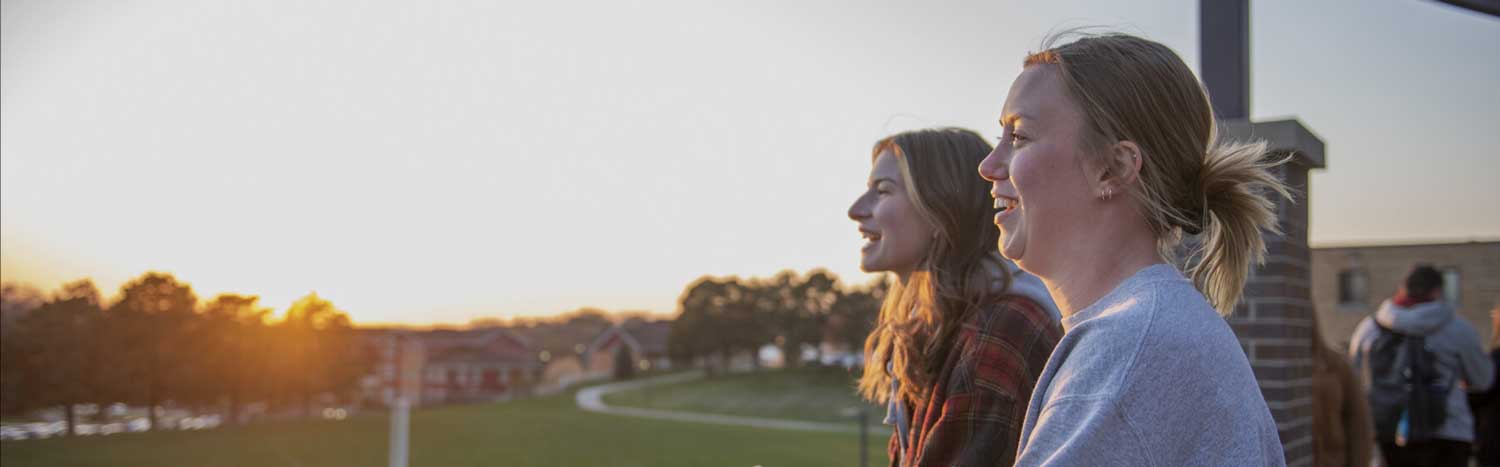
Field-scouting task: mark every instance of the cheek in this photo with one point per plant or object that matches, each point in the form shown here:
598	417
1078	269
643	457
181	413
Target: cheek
1028	175
1044	181
915	237
907	233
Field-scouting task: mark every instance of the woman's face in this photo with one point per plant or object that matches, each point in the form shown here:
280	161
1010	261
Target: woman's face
1037	172
896	237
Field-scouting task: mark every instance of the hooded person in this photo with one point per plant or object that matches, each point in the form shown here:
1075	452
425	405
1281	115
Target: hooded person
1458	361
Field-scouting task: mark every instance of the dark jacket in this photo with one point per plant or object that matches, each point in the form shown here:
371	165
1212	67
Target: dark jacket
1487	419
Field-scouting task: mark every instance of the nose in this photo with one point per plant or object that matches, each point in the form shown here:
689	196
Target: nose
996	166
859	210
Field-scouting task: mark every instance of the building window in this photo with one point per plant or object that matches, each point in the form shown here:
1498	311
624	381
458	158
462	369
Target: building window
1451	280
1353	287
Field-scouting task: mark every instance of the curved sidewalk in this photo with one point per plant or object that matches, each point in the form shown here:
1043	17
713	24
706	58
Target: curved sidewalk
592	399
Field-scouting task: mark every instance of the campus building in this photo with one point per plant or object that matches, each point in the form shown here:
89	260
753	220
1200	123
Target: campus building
1350	282
444	367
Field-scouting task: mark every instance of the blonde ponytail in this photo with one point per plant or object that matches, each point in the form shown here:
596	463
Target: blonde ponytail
1234	184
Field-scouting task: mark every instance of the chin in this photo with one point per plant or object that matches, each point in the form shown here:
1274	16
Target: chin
874	266
1008	251
1018	256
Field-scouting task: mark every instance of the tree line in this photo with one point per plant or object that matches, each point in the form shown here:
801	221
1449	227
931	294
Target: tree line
722	316
157	343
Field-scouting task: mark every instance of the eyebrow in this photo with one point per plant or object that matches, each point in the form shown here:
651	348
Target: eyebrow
1012	117
877	181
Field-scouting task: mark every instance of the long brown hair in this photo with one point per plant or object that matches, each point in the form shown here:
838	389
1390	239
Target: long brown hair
918	322
1191	181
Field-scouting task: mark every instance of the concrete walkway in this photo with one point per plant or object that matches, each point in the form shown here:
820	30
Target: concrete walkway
592	399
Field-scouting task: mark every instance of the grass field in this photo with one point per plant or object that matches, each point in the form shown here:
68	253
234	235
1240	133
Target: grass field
813	394
548	431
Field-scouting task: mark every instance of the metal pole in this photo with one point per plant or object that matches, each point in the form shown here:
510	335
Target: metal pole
1224	52
400	412
399	421
864	451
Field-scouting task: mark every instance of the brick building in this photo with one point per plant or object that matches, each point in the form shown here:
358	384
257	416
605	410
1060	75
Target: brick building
1350	282
644	342
442	366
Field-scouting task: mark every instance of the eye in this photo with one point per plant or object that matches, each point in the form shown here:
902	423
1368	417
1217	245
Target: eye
1018	139
1010	136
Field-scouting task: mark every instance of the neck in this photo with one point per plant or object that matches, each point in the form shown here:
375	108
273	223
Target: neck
1098	265
1405	299
903	278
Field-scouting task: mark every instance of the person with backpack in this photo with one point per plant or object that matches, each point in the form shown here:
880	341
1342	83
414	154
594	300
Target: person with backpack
1417	360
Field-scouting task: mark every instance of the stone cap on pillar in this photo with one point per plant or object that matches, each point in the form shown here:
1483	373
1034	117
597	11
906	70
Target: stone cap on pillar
1281	135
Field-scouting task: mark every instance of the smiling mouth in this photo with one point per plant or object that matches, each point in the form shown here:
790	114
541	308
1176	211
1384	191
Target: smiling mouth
1004	204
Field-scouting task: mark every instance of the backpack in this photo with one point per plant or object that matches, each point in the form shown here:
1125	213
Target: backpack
1408	397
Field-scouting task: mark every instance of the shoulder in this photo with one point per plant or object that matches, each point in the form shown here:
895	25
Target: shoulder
1365	330
1004	345
1012	318
1460	330
1458	339
1102	344
1116	326
1153	337
1184	329
1175	317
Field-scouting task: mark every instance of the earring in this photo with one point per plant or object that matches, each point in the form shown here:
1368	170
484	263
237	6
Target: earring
1108	192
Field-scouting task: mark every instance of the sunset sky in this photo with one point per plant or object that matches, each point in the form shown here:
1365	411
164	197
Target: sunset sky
421	162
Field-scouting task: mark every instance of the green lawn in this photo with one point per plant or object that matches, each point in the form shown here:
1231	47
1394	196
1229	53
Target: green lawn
813	394
539	432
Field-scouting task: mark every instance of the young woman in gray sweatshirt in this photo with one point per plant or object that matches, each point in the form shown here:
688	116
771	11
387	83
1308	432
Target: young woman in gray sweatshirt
1107	158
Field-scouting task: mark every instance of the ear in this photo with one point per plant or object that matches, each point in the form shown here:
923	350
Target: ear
1120	169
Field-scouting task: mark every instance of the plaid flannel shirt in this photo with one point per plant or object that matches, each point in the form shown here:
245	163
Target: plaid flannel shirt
974	414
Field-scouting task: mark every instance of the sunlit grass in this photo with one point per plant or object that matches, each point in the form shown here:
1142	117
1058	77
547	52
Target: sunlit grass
811	394
539	432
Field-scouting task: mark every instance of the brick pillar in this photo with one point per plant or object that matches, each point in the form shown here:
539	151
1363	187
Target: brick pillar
1274	326
1274	320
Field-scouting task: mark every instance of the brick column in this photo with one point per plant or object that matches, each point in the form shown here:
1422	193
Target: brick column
1274	320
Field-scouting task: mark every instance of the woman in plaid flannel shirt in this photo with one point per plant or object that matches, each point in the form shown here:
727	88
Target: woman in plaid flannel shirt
963	334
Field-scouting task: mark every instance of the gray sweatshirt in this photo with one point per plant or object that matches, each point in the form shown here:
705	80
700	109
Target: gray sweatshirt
1149	375
1455	344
